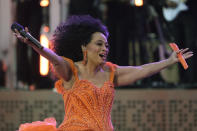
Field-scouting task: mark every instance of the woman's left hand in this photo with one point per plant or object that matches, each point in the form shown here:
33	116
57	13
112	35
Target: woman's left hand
186	54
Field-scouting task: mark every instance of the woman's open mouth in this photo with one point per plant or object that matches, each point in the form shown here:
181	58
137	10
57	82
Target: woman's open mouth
103	56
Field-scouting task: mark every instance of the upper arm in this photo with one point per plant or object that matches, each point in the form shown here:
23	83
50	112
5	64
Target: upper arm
125	75
63	68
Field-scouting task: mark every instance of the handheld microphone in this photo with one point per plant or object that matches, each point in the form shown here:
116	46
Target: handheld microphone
25	34
180	57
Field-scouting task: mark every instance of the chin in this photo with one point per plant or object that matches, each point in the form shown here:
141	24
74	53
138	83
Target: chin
102	62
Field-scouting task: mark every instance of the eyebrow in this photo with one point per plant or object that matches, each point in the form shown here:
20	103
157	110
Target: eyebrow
102	41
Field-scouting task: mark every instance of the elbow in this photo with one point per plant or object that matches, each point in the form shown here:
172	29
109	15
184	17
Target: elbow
56	64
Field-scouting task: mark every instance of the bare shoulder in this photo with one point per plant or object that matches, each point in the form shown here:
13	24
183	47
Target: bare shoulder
106	68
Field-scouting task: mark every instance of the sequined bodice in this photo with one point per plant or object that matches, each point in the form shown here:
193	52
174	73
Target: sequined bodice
87	107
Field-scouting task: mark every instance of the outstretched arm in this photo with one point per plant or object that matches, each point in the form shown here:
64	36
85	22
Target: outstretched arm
129	74
61	66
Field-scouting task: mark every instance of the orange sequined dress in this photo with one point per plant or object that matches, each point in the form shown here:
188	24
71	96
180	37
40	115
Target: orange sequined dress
87	107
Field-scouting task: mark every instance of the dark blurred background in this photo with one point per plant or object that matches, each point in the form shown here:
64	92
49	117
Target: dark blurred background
139	34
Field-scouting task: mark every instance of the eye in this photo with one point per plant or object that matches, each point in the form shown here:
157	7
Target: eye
100	44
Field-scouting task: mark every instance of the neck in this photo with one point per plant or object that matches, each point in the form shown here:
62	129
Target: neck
92	69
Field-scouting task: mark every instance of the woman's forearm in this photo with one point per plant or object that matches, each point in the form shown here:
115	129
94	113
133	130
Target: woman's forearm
48	54
153	68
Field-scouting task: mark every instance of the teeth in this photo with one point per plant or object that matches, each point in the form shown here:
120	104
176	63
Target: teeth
101	55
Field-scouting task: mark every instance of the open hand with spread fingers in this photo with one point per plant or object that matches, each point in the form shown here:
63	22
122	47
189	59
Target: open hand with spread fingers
184	52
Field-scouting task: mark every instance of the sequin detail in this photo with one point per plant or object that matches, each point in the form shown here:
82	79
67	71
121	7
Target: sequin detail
87	107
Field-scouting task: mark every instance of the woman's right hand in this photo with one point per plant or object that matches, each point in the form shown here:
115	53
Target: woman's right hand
21	38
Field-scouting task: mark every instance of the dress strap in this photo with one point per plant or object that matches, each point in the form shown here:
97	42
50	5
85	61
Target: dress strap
112	68
59	84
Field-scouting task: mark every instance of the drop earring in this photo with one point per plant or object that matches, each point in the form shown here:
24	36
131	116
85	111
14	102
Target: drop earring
84	57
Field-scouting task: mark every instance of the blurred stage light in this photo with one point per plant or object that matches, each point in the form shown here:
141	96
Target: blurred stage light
46	29
44	63
139	3
44	3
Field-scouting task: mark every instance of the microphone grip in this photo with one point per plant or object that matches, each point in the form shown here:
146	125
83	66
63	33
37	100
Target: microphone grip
180	57
21	30
31	38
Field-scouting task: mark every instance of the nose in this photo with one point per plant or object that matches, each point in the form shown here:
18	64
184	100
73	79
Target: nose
105	48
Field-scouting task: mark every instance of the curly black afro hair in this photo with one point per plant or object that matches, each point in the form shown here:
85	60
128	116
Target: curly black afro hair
76	31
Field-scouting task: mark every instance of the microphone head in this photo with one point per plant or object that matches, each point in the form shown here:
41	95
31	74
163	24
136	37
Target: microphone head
17	26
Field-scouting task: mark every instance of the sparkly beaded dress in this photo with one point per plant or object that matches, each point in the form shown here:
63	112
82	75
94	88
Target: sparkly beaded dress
87	107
